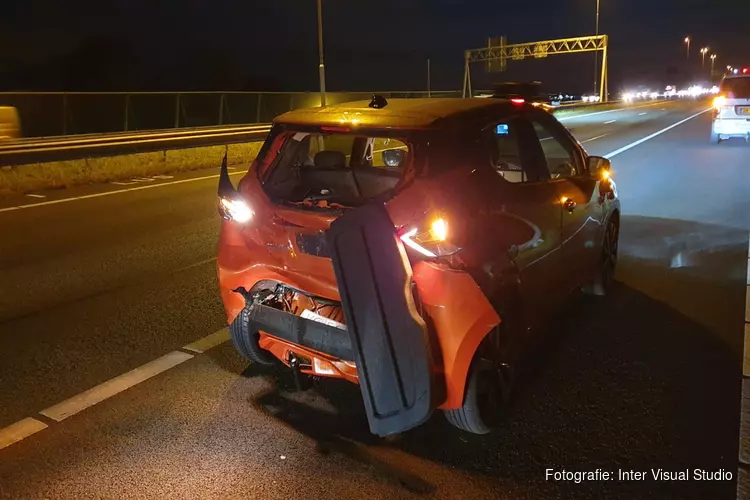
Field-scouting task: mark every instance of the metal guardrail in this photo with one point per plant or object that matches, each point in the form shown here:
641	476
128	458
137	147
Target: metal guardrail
28	151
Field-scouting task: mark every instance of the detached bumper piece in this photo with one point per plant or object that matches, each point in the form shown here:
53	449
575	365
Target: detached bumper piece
388	336
296	329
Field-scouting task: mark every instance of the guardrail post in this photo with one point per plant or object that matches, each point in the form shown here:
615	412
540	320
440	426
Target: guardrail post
127	114
65	114
177	111
221	110
257	111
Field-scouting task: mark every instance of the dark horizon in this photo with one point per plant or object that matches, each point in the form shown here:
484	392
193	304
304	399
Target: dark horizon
368	46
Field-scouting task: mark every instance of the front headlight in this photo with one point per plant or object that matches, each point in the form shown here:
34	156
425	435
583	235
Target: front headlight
235	209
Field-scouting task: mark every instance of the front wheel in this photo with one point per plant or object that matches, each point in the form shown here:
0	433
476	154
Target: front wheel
605	274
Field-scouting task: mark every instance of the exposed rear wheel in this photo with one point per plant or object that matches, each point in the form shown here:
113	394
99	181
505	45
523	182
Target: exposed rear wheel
245	340
488	390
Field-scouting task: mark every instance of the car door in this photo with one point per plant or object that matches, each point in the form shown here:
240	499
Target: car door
582	211
526	214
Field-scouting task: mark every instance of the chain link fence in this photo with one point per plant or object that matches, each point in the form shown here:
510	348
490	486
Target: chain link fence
45	114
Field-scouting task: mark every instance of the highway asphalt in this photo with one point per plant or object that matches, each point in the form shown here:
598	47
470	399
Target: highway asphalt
649	378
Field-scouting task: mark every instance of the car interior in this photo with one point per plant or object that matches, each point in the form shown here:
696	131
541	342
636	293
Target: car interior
337	167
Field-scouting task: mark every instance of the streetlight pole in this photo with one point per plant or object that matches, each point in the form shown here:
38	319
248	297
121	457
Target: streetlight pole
687	42
704	50
321	62
596	53
713	60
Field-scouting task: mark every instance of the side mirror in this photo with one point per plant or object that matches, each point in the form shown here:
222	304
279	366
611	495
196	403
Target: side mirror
599	167
393	157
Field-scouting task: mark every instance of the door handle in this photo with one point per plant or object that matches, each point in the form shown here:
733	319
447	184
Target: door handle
569	205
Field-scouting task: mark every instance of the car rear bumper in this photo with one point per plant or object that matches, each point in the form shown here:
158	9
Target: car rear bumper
734	127
301	331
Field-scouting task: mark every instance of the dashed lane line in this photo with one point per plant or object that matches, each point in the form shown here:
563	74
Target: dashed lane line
109	193
19	431
655	134
114	386
209	341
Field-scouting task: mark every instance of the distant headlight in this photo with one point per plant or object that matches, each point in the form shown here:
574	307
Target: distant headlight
235	209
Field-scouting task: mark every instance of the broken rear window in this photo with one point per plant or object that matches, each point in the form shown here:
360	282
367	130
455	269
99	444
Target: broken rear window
340	169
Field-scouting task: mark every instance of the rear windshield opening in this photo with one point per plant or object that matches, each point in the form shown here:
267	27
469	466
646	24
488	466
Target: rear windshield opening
736	88
324	169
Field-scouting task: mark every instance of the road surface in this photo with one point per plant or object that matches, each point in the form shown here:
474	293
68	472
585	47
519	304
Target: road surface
123	277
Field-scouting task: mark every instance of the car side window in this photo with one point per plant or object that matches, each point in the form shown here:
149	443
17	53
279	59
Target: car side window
512	145
558	152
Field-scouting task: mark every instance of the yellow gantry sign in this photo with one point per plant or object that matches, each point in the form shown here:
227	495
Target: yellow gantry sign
539	50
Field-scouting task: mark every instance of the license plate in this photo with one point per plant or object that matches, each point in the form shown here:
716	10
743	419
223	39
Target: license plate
743	110
308	314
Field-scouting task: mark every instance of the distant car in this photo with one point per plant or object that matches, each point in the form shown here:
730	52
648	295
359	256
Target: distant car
731	114
530	92
10	124
413	247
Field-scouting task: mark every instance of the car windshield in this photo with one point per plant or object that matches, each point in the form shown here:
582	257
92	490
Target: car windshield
736	88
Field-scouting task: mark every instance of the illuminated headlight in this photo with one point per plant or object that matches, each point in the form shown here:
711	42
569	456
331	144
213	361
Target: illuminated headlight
235	209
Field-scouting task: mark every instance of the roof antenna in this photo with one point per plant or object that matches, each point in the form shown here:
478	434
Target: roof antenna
378	102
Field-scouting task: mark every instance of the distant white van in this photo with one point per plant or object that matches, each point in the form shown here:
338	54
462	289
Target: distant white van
10	124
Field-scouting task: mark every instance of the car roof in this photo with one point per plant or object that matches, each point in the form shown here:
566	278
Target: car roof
417	113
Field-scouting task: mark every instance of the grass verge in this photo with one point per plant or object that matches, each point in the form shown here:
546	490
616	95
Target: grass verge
21	179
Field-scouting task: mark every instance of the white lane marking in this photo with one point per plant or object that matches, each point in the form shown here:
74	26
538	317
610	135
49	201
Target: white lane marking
611	121
663	109
641	114
142	179
655	134
124	183
209	341
108	193
114	386
564	118
163	177
20	430
28	426
594	138
35	195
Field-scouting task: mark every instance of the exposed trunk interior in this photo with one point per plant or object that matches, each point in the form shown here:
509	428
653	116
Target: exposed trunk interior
326	169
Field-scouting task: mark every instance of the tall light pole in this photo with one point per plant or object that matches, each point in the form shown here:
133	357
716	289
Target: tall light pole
704	50
713	60
687	42
321	62
596	53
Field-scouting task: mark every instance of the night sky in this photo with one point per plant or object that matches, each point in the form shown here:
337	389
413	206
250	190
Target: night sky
370	45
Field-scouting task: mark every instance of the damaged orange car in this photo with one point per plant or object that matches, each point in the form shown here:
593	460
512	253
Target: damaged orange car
413	247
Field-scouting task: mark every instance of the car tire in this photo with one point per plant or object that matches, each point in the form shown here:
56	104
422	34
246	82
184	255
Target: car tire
487	396
715	139
477	415
607	264
245	340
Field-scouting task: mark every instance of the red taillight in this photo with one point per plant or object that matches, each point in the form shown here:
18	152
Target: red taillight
744	71
518	101
429	238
